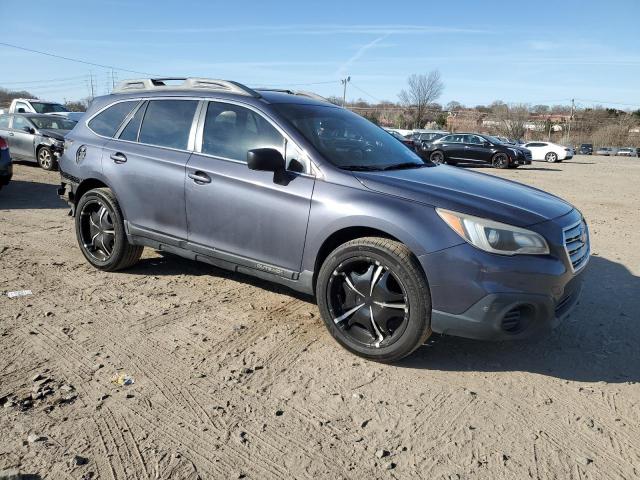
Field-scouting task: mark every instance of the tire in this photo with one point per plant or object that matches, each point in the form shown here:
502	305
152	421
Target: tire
437	157
99	220
551	157
46	159
385	278
500	160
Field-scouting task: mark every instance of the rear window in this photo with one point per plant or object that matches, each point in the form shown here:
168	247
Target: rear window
167	123
108	121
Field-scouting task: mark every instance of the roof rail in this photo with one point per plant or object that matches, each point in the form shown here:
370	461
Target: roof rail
187	84
300	93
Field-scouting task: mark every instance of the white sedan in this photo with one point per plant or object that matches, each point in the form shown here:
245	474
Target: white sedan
549	152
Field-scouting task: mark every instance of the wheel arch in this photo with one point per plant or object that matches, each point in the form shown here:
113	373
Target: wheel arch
86	185
346	234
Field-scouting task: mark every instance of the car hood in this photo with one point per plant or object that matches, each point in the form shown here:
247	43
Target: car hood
469	192
54	133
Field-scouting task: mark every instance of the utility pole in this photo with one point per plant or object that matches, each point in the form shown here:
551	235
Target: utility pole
91	88
113	80
344	82
573	106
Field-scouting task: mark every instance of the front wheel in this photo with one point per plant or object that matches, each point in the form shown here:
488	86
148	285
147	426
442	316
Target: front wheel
100	232
46	160
551	157
500	160
437	157
374	299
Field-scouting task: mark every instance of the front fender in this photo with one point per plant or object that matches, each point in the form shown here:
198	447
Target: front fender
337	207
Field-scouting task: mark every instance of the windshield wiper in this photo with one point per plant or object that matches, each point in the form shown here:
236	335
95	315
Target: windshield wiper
361	168
406	165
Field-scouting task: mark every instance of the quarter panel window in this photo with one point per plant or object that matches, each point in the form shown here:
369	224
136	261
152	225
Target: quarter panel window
167	123
108	121
230	131
4	121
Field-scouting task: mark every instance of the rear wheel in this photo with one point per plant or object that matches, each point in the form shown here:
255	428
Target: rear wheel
500	160
46	160
551	157
374	299
100	232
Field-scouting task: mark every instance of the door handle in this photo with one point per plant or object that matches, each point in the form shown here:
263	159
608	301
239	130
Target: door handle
11	134
118	157
200	177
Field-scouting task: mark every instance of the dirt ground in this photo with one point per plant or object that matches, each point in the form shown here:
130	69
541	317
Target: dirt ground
237	378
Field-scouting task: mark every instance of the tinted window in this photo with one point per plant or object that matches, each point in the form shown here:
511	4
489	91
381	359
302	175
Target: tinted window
4	121
167	123
474	139
230	131
40	107
107	122
53	122
20	122
130	132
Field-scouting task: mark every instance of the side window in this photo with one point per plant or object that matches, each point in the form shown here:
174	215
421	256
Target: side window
22	108
108	121
447	139
230	131
167	123
4	121
20	122
130	132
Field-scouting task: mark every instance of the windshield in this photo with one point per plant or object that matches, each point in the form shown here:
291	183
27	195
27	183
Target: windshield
53	123
347	140
42	107
494	139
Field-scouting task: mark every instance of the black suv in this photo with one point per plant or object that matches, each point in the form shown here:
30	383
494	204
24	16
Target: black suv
475	147
586	149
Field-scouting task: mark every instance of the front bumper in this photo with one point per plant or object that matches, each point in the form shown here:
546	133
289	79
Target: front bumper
479	295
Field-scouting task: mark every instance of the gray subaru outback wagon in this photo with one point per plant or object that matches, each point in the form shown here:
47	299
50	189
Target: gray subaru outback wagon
287	187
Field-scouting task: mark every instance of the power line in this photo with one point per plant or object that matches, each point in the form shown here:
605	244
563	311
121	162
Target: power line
75	59
51	80
366	93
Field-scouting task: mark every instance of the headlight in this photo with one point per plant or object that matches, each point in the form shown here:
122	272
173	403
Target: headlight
495	237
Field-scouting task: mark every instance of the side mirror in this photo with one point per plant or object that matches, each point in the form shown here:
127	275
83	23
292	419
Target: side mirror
265	159
29	129
486	144
21	110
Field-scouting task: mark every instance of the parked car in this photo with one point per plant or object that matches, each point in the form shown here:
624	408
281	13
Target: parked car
6	166
626	152
549	152
606	151
475	147
422	142
585	149
35	138
33	105
404	140
303	193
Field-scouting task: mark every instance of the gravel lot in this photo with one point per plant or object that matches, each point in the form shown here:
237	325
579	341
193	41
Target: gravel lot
237	378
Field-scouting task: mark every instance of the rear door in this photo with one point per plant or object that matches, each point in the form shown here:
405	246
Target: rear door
146	162
475	149
254	218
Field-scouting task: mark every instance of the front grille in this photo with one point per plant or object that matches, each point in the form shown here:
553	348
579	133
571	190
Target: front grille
527	155
576	243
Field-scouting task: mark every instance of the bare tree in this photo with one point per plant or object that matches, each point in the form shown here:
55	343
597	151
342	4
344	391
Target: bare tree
422	90
512	120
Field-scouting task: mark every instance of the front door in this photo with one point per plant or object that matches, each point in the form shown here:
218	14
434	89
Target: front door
256	217
21	142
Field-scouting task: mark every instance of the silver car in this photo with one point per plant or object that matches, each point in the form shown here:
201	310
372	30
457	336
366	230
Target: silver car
35	137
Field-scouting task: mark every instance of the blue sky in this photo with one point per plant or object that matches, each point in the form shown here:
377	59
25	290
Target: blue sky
532	52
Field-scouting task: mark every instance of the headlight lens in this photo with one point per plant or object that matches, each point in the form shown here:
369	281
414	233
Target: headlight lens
495	237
